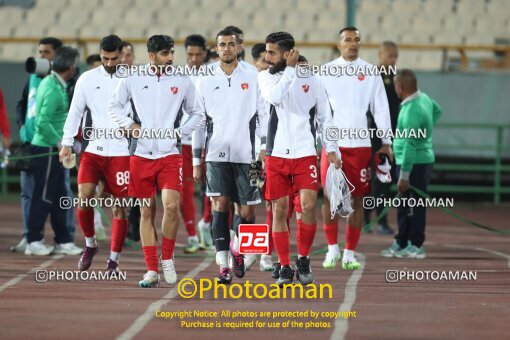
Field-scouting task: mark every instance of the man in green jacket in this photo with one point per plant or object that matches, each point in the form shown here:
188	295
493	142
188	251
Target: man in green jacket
52	104
414	157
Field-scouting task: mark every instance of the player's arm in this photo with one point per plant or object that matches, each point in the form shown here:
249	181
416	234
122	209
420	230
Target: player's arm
118	101
194	109
436	111
409	123
325	122
198	136
380	108
272	89
73	120
262	124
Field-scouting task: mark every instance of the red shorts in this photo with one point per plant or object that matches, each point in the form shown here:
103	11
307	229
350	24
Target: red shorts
114	171
285	176
355	165
148	175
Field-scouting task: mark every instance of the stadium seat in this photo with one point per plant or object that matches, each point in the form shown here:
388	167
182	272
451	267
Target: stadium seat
50	4
11	16
18	52
30	31
70	17
80	4
91	31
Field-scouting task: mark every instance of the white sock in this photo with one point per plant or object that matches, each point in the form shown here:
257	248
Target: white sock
236	243
90	242
193	238
222	258
333	248
299	255
114	256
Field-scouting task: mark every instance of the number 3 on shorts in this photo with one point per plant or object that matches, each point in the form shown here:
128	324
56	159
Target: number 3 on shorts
122	178
314	169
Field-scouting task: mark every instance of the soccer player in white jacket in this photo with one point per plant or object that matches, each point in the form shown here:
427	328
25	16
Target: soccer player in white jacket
156	162
233	107
351	96
102	158
291	159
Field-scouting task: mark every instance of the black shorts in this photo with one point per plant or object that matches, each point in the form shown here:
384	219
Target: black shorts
231	180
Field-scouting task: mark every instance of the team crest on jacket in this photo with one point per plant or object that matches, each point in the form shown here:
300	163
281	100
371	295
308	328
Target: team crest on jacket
306	87
174	89
361	77
244	86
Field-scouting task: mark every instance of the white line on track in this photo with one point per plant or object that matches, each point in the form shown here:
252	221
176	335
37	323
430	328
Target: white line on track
490	251
147	316
341	324
20	277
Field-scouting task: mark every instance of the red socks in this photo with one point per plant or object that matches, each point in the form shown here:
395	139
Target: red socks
281	243
167	248
119	232
305	236
331	231
150	254
86	220
352	235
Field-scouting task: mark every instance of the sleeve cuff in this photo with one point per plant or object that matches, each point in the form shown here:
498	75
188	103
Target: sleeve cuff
386	141
404	175
262	146
128	124
69	142
197	161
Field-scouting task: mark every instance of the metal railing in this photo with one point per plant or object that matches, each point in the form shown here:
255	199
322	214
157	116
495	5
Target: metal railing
497	168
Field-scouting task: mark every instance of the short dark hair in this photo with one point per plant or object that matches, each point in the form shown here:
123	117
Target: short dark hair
111	43
65	57
284	40
257	50
407	78
54	42
302	59
126	44
91	59
195	40
348	28
236	29
160	42
226	32
389	44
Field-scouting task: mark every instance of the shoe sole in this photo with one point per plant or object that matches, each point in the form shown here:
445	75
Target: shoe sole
29	253
150	285
387	255
191	250
351	268
283	282
298	278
